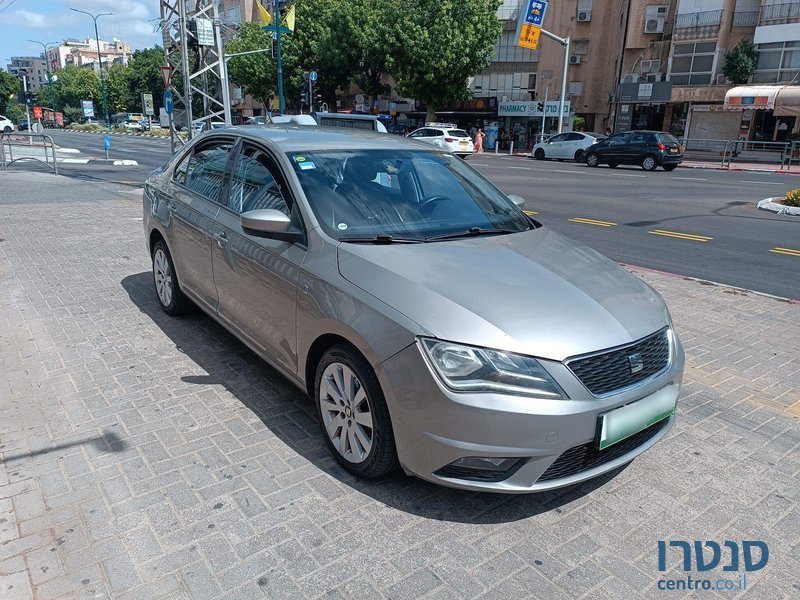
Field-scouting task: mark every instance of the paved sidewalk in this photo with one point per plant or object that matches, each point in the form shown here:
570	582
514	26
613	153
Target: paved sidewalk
148	457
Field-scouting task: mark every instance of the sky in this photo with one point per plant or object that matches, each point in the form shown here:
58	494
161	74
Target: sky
133	21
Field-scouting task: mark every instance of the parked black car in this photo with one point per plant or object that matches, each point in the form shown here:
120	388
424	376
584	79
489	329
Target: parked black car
649	149
23	125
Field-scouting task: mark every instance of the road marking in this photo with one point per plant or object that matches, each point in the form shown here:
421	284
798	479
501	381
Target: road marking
592	222
765	182
691	178
624	175
525	168
788	251
474	164
570	172
531	212
683	236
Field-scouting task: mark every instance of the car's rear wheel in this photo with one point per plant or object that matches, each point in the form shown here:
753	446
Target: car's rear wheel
353	415
670	167
649	163
539	154
592	159
579	156
169	294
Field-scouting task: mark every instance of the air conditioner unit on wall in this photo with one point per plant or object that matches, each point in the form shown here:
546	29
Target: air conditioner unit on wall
654	25
630	78
575	59
584	16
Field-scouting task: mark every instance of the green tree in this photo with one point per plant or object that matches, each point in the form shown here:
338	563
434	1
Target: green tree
15	111
118	86
740	61
256	72
75	84
144	75
9	86
438	44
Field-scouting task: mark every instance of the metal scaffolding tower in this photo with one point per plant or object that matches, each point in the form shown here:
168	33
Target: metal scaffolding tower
193	47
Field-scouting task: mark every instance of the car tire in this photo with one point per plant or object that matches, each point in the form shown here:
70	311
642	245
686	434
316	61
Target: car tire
613	165
670	167
579	156
649	163
6	129
364	446
592	160
170	297
539	154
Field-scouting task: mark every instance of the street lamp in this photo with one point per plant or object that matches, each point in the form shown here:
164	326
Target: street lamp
99	58
47	69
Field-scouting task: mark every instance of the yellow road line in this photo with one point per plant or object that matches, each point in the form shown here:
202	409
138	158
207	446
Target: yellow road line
530	212
592	222
683	236
788	251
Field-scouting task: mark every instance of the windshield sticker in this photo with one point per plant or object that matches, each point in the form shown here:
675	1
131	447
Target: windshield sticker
304	166
342	226
299	159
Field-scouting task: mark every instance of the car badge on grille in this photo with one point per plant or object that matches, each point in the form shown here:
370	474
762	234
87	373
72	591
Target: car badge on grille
636	362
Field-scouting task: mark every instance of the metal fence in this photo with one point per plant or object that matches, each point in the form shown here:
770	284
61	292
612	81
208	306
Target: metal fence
34	143
698	19
745	18
784	10
783	155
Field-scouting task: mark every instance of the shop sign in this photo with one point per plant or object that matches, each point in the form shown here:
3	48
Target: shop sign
530	109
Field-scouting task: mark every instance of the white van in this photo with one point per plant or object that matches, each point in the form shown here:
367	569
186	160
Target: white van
368	122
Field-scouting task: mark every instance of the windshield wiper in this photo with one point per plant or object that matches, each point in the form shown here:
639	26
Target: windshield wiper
471	232
381	239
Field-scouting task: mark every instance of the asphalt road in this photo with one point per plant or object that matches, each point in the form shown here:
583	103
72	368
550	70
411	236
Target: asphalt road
698	223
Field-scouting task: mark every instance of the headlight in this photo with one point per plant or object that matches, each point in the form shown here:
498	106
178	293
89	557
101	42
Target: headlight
472	369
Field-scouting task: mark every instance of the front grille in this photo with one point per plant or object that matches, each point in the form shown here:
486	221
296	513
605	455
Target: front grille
611	371
588	456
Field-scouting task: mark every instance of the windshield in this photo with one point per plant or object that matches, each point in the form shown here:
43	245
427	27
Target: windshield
411	195
666	138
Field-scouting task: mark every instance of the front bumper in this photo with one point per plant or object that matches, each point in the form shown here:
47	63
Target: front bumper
434	426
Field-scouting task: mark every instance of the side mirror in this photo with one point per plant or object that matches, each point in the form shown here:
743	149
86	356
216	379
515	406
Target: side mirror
518	201
270	223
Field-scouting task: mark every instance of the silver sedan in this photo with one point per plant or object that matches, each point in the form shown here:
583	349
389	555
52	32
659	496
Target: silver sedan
436	327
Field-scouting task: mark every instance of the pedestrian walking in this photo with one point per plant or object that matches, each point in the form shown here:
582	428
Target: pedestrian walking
479	140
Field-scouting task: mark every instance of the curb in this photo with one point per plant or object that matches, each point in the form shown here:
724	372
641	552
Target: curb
710	168
781	209
100	161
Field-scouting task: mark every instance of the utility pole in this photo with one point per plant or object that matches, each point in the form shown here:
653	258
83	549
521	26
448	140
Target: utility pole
27	108
276	19
99	59
565	44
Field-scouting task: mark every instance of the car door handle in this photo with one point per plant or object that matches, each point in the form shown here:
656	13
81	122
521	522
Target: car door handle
221	237
172	208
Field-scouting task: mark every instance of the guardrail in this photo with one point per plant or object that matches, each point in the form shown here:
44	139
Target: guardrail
45	144
698	19
785	10
746	18
768	152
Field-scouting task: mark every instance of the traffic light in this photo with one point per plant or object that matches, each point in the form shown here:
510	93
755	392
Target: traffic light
540	106
304	98
275	46
29	98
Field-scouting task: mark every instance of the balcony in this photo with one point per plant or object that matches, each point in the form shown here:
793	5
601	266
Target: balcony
787	12
699	19
745	19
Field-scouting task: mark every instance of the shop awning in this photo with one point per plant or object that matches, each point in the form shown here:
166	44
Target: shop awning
752	97
788	102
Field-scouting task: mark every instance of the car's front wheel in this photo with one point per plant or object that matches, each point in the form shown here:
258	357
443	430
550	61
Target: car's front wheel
6	129
539	154
592	159
353	415
170	297
649	163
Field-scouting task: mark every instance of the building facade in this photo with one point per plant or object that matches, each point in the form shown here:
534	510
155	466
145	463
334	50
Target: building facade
83	53
33	67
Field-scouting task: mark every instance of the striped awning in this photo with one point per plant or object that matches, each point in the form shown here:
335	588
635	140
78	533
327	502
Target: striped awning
752	97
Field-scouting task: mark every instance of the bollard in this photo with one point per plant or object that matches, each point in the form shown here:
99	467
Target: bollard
511	149
496	147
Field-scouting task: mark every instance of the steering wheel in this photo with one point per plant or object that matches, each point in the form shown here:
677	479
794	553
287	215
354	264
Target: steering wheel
431	201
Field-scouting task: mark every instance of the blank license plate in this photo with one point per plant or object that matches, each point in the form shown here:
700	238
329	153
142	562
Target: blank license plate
673	150
464	144
623	422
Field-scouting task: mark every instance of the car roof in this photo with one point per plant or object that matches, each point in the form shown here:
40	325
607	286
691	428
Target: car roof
292	138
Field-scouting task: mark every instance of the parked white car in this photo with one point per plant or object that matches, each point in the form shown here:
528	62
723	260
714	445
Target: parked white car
6	125
446	136
570	145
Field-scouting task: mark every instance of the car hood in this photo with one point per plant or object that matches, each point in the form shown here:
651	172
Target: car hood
536	293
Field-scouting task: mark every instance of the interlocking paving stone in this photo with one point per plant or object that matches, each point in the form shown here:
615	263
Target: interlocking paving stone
148	457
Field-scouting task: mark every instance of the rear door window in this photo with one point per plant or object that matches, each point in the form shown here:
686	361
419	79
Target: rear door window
205	171
639	138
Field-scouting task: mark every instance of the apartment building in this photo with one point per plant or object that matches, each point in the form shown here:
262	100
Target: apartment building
33	67
83	53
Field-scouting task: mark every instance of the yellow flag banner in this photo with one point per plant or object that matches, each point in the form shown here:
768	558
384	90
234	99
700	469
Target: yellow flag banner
266	18
288	20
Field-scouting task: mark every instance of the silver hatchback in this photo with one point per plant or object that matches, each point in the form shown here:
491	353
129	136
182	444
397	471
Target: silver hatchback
434	324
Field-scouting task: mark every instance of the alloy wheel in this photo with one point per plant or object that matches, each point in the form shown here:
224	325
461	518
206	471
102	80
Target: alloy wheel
649	163
162	273
346	412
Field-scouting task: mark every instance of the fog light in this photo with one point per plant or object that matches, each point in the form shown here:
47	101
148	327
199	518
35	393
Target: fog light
480	468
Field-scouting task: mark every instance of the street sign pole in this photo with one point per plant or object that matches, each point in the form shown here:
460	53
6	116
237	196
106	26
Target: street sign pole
276	17
27	108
